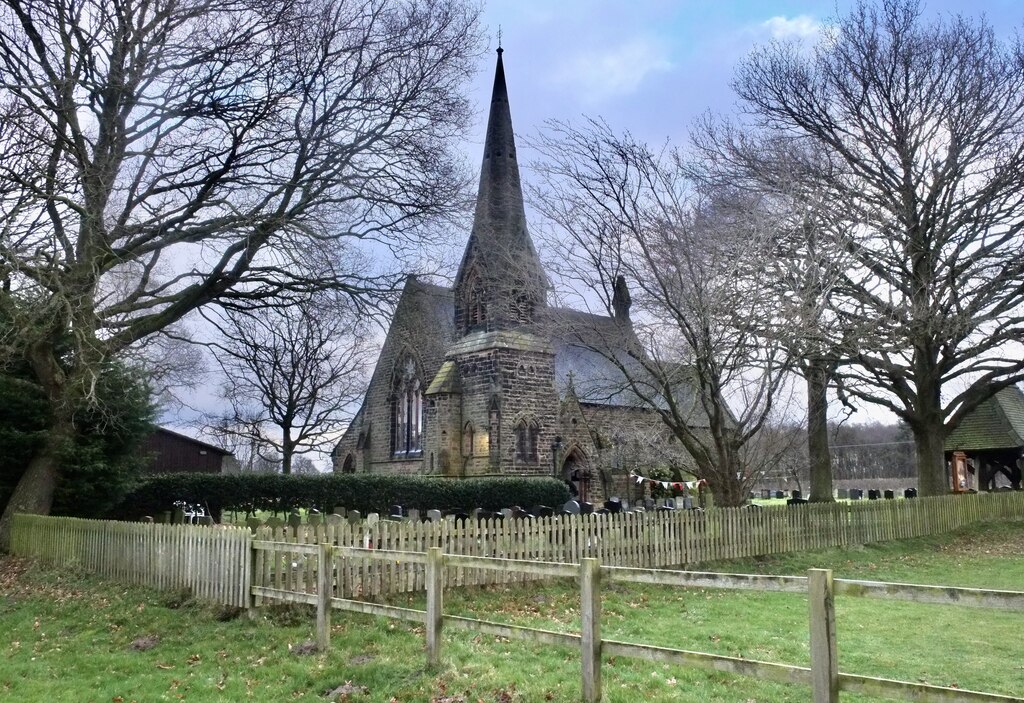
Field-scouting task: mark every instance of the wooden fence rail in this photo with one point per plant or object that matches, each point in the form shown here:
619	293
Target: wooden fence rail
215	562
823	676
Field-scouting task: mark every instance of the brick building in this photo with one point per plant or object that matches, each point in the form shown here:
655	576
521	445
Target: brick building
485	378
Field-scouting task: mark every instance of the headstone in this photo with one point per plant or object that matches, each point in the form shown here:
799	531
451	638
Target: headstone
889	494
274	522
507	513
625	505
796	493
844	493
638	509
164	518
751	495
148	519
910	493
353	517
314	519
796	501
670	503
766	493
459	517
614	505
414	514
687	503
372	519
295	521
178	517
434	515
779	495
874	494
205	520
572	507
253	523
856	493
335	519
397	510
542	511
520	514
340	510
659	503
586	508
649	504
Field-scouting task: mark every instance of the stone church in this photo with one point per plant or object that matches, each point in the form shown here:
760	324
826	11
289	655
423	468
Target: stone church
486	379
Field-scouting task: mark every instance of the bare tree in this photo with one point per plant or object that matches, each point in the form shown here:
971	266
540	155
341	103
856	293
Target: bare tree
918	121
293	375
208	151
689	351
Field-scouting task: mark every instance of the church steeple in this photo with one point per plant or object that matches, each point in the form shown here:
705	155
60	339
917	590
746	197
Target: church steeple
500	282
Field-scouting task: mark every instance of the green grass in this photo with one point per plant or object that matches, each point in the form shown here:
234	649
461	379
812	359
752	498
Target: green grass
68	637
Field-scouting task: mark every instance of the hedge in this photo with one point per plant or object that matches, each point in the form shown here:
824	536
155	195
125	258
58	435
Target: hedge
366	493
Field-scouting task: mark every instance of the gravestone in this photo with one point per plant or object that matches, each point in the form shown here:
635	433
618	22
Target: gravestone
372	519
844	493
856	493
874	494
910	493
353	517
205	520
507	513
796	493
586	508
649	504
397	511
434	515
314	519
572	507
766	493
779	495
889	494
274	522
147	519
164	518
542	511
614	505
295	522
253	523
414	514
335	519
796	501
687	503
339	510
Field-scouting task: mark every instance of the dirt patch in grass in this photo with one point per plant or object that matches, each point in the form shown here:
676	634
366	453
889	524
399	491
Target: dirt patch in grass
144	644
1001	540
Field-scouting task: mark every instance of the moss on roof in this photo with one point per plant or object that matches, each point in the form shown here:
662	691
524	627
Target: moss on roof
998	423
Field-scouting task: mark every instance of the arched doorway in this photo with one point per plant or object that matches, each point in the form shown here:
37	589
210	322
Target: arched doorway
576	472
349	467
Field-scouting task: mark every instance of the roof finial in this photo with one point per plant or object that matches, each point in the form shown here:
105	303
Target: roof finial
499	40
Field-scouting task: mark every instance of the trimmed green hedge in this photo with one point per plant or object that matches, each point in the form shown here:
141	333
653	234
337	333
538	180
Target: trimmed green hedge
367	493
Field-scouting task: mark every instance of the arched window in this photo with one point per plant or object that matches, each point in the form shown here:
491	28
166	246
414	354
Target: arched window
407	413
527	439
476	308
467	439
349	467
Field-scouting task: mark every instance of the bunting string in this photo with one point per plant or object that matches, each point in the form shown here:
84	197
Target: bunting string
677	485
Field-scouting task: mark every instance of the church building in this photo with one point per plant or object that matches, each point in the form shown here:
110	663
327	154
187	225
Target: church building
484	378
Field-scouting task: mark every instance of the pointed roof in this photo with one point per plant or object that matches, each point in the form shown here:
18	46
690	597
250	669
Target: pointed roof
499	243
998	423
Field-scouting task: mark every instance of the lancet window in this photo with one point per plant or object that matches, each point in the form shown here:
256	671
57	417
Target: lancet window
407	414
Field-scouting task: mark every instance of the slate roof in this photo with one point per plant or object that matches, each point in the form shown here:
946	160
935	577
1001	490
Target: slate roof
998	423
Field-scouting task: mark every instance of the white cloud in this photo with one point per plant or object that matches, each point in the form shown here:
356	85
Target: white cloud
799	27
614	72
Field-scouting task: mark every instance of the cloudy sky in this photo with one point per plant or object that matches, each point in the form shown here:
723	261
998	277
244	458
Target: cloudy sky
650	66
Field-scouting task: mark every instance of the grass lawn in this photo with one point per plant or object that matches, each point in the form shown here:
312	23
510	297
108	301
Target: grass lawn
71	637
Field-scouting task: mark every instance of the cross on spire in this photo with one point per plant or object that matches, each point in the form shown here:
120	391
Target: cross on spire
499	40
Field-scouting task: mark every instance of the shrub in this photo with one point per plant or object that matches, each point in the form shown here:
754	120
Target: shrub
367	493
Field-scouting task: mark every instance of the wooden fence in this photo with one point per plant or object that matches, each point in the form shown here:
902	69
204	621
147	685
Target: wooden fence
823	676
640	539
213	563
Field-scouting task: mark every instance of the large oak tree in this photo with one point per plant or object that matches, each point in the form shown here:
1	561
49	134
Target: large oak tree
916	123
164	155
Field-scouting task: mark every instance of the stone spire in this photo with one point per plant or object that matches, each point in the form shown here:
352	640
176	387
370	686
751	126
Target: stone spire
501	282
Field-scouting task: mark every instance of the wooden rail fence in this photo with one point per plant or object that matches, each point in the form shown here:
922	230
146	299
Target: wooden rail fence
823	676
215	562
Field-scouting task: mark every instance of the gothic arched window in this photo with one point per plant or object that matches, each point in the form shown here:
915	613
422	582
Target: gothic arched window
527	439
476	308
468	437
407	412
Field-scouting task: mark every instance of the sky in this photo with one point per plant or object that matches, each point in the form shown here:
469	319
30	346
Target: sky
647	66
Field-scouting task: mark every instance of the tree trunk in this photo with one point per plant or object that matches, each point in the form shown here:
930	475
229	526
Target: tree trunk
34	492
817	432
287	450
932	475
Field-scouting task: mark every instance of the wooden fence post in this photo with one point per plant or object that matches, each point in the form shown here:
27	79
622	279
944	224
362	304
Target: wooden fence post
324	588
590	615
824	660
435	604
